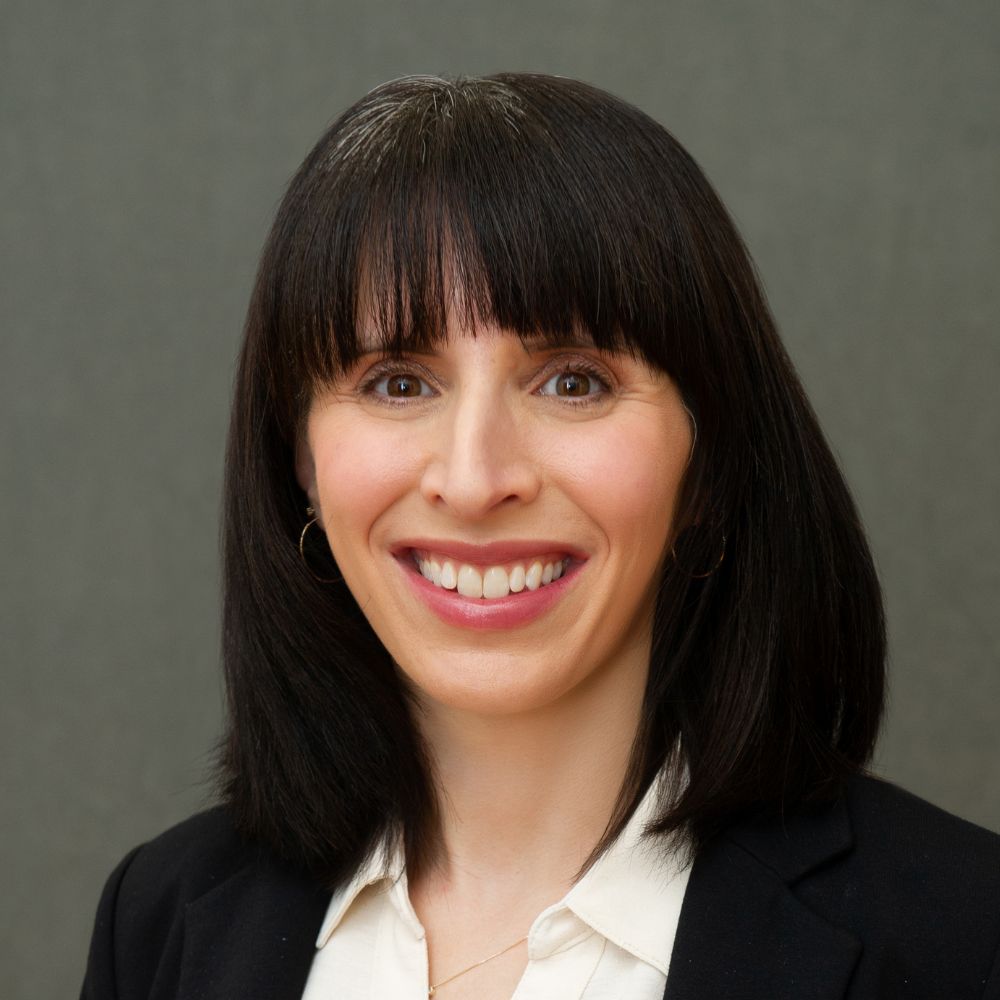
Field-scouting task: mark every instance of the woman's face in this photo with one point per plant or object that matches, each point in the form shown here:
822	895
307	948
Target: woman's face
500	513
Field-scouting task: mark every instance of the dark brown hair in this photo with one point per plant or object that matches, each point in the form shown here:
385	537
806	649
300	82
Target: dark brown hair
557	207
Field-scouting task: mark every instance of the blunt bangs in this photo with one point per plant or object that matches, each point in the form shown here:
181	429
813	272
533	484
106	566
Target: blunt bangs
542	206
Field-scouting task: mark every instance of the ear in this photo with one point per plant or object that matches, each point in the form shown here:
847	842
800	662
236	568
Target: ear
694	433
305	470
696	516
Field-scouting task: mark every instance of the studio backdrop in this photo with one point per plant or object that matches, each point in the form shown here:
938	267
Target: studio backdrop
144	149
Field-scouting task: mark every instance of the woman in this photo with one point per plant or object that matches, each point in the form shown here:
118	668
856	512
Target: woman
553	643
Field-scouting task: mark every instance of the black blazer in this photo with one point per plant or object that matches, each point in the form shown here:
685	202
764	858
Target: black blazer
879	896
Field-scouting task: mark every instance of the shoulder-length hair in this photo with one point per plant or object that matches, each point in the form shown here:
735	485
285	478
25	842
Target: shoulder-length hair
554	207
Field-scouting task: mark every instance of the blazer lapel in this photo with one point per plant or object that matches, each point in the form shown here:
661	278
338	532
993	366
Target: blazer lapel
253	936
743	933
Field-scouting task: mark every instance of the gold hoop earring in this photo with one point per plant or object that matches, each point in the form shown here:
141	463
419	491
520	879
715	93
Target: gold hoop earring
702	576
310	513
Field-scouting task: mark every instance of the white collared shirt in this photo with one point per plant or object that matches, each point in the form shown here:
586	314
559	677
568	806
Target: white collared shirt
609	937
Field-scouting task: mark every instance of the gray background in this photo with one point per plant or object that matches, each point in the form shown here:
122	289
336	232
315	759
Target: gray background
144	148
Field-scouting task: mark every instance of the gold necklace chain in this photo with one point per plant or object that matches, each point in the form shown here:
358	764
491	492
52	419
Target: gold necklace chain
475	965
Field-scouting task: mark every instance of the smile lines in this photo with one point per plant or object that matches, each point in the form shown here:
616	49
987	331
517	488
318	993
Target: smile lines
492	582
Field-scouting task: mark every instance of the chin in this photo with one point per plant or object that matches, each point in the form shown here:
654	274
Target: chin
486	685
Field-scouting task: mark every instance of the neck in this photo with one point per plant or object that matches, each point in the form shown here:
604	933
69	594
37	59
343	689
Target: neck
525	798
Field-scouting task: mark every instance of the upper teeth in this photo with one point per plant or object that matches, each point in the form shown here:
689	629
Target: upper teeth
494	581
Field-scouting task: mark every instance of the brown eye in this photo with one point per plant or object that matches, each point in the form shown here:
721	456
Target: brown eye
395	386
576	385
402	385
572	384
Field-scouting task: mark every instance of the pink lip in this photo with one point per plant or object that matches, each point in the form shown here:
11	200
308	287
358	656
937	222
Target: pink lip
494	613
491	554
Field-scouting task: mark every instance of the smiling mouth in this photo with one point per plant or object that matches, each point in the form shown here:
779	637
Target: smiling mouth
490	582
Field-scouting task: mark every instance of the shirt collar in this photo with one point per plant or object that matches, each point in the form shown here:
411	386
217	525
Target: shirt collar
384	864
632	894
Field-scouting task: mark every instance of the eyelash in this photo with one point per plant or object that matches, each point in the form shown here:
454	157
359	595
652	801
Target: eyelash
573	366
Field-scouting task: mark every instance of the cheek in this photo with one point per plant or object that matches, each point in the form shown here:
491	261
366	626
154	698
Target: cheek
629	478
359	471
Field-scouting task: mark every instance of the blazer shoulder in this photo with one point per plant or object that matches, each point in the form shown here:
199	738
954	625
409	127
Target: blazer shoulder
156	880
897	826
920	888
138	929
874	894
189	858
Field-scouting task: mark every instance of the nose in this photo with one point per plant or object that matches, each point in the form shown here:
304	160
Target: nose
481	458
